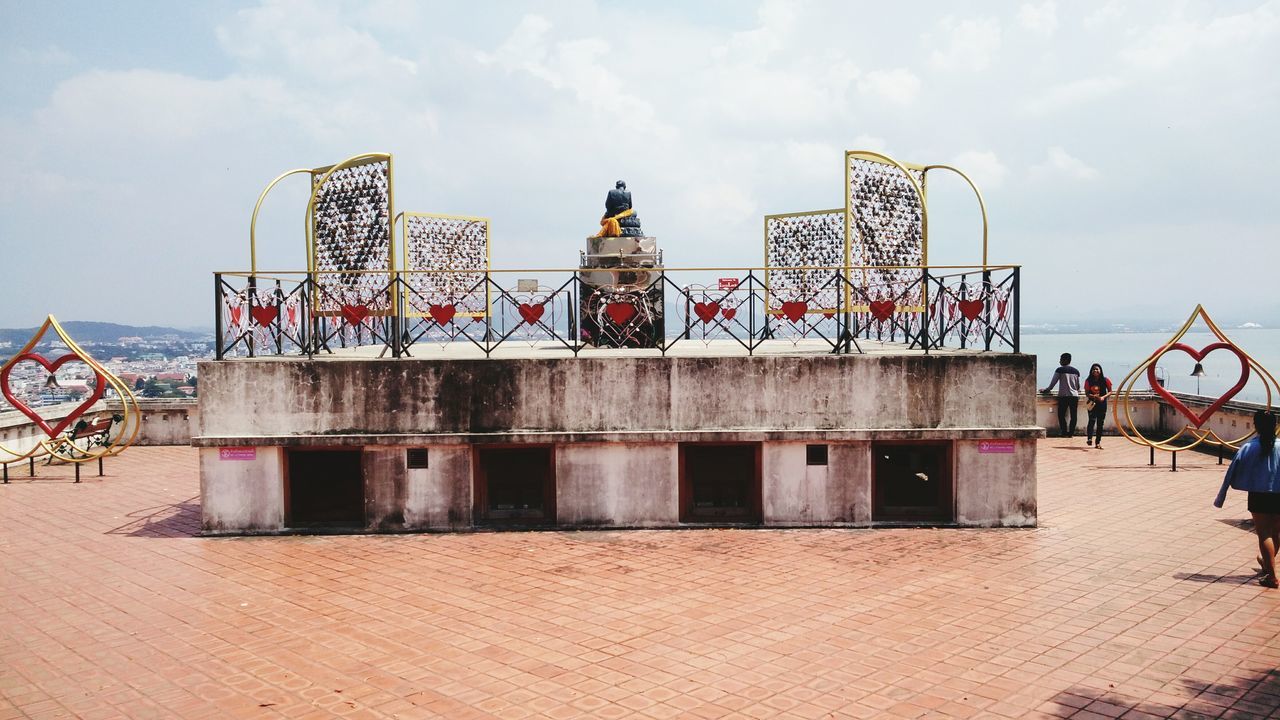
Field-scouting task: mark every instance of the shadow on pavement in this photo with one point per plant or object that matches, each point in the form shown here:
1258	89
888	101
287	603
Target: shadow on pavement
1256	696
180	519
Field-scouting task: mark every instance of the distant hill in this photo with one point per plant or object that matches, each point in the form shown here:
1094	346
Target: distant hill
96	332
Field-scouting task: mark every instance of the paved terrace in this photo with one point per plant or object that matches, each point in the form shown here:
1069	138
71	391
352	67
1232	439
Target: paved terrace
1135	598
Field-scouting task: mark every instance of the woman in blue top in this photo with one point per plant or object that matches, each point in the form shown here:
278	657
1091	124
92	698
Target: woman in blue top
1256	469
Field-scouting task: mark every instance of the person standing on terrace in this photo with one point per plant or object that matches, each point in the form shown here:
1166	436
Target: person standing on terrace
1256	470
1067	379
1097	388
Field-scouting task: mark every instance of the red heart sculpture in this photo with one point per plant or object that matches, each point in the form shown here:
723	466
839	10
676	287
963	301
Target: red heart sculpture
442	313
1198	355
971	309
52	367
728	313
1002	307
236	311
706	312
620	313
531	313
355	314
882	309
264	315
291	312
794	310
828	315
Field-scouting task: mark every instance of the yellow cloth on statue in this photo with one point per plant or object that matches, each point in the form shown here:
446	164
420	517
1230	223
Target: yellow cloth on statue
609	226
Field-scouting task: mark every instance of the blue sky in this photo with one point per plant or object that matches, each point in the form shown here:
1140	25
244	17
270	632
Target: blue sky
1122	147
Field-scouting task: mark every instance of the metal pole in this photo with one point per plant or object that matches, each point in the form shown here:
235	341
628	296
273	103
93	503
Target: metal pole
1174	467
1153	454
99	466
1017	303
77	472
6	473
217	316
31	466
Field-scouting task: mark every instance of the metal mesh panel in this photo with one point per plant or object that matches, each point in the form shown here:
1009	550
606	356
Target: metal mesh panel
352	236
803	240
885	228
441	242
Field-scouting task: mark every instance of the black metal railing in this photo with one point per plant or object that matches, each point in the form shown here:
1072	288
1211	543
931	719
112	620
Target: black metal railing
922	308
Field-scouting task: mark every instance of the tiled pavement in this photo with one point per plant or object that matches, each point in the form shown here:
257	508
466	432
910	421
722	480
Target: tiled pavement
1134	598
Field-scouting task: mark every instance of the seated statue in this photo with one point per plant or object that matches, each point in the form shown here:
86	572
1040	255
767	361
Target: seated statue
620	219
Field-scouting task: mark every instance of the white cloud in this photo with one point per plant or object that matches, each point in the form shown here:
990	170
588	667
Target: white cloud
1071	94
983	166
47	55
1041	20
1061	163
965	45
899	86
1163	45
1105	15
870	142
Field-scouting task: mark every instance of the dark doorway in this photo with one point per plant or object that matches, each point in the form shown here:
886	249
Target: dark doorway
515	485
912	482
720	483
325	489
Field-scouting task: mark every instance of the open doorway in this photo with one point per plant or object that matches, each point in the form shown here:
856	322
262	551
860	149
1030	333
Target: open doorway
720	482
912	482
515	485
325	489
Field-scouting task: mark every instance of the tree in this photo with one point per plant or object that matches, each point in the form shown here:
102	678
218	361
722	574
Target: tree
137	384
151	388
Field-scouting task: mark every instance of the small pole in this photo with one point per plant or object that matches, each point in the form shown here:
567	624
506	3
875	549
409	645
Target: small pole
1174	468
1219	454
99	466
77	472
1153	454
6	473
31	465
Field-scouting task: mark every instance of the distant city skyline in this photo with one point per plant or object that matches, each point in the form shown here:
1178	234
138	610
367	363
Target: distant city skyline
1116	144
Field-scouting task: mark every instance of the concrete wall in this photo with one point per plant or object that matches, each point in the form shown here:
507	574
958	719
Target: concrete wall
798	494
272	398
164	422
242	495
618	484
995	489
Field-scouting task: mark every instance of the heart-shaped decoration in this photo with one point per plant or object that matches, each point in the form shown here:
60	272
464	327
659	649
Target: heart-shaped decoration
794	310
620	313
706	312
52	367
355	314
531	313
264	315
1199	355
291	312
236	312
442	314
971	309
1002	308
828	315
882	309
728	313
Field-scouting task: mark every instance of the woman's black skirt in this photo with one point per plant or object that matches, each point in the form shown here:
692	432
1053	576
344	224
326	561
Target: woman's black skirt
1264	502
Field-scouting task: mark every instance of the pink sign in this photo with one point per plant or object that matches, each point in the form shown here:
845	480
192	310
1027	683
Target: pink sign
728	283
238	453
995	446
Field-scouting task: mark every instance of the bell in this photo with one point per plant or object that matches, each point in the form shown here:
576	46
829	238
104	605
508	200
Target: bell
1198	371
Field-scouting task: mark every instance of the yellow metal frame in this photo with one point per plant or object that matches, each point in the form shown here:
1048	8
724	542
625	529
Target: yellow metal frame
130	424
488	256
919	187
1123	412
982	205
767	266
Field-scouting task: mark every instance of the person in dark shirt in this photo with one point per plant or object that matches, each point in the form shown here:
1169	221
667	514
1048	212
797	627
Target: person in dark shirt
1097	388
1067	380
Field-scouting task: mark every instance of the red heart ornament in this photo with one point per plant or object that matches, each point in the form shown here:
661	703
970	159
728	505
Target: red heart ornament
794	310
355	314
620	313
442	313
828	315
728	313
882	309
264	315
971	309
236	311
531	313
52	367
706	312
1198	355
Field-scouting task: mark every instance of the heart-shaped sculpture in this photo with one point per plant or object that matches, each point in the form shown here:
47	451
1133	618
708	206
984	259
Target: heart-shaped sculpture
794	310
882	309
236	312
442	314
51	367
291	312
728	313
620	313
706	312
531	313
355	314
1199	355
971	309
264	315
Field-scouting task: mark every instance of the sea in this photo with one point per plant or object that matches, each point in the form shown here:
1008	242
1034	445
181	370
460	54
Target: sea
1120	353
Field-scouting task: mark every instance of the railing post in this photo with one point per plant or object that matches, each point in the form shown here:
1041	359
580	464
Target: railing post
217	323
1017	304
253	302
279	321
397	316
987	330
926	314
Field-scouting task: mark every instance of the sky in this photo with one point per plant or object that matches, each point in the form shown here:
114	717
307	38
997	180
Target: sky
1122	148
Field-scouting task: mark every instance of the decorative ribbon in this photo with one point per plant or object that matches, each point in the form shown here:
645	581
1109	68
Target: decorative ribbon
609	226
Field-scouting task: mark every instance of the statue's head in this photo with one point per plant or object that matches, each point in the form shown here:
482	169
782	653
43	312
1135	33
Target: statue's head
621	185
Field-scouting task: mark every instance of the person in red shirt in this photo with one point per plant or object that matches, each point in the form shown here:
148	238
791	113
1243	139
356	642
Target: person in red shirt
1097	388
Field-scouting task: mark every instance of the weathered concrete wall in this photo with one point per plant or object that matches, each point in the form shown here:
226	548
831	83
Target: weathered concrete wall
164	422
248	398
995	489
440	496
797	494
386	487
618	484
238	496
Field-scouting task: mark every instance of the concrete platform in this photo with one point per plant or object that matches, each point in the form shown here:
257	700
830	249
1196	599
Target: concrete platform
1134	598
